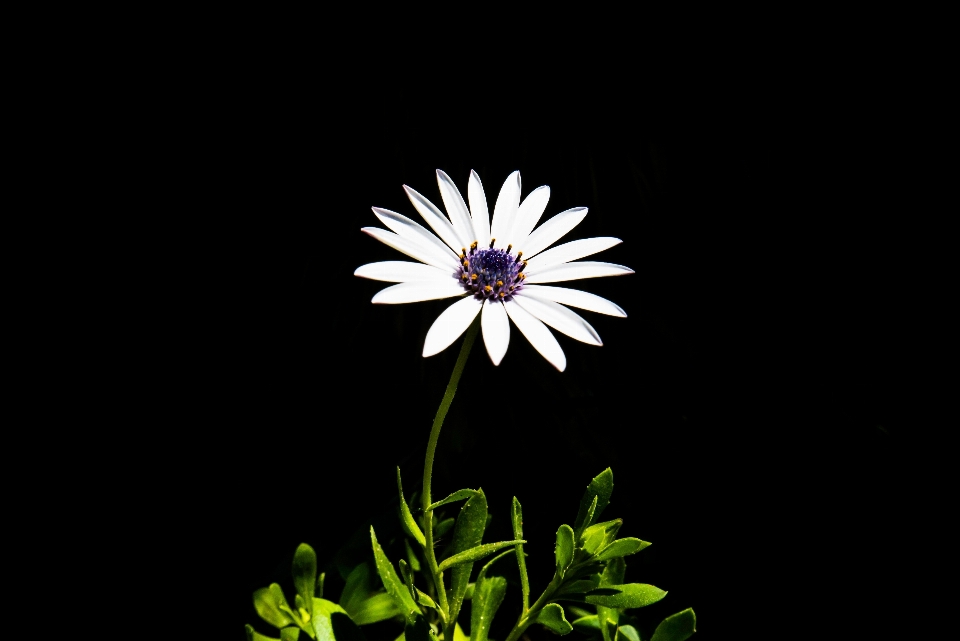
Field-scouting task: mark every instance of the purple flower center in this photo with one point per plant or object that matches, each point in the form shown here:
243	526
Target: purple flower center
491	273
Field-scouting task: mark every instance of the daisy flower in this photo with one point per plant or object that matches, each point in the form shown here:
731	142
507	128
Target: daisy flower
497	267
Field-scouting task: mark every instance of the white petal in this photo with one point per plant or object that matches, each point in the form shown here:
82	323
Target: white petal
449	325
496	330
537	333
417	291
560	318
411	229
437	221
456	208
551	231
400	271
478	209
576	271
574	298
413	249
570	251
528	215
505	211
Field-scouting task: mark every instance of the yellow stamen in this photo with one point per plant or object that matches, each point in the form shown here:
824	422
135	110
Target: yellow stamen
473	277
487	288
499	283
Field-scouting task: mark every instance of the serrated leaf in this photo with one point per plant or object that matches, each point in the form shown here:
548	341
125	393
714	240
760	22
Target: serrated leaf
475	554
677	627
516	517
375	608
304	572
563	551
467	534
621	548
602	488
487	597
630	595
392	583
587	624
551	616
459	495
629	632
406	518
268	602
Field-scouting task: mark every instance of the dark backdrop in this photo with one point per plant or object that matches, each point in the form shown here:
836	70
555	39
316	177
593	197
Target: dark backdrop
753	406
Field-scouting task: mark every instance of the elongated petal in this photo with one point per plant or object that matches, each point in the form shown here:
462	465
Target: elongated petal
505	211
456	208
570	251
424	254
449	325
411	230
537	333
551	231
576	271
417	291
528	215
437	221
400	271
478	209
560	318
496	330
574	298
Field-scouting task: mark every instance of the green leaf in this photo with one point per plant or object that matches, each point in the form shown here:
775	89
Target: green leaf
475	554
406	518
305	575
253	635
621	548
419	630
487	597
331	623
267	602
630	632
356	589
290	634
602	488
392	583
587	624
608	530
318	593
516	517
630	595
411	556
564	547
551	616
581	586
459	495
424	599
375	608
609	617
442	528
677	627
458	634
467	534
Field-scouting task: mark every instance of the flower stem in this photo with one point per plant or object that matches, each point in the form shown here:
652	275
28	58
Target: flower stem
527	618
448	395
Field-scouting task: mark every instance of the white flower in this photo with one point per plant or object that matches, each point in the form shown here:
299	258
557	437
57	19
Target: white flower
497	268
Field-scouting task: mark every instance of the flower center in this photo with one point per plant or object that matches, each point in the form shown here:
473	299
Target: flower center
491	273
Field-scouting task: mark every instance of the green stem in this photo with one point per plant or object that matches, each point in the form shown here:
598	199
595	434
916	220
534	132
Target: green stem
527	618
428	462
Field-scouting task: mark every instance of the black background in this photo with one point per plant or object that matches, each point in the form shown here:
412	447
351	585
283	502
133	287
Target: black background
757	405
